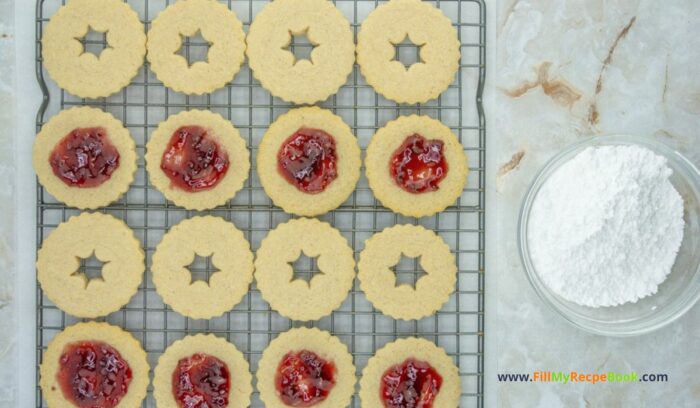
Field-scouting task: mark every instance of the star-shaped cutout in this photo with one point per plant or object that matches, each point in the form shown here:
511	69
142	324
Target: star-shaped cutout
202	268
194	48
407	52
408	271
90	269
300	46
94	42
305	268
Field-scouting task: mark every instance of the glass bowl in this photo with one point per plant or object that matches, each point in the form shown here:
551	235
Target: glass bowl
675	296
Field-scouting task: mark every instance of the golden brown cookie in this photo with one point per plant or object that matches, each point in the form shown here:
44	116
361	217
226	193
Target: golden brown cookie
306	367
403	166
378	281
275	66
181	165
85	353
309	161
82	73
200	363
230	255
407	371
219	26
84	157
429	29
112	242
298	299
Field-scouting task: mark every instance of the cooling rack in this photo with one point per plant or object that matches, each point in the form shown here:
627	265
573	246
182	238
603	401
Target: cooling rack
458	327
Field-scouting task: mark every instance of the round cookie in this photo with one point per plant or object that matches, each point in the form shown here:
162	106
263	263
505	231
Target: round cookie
298	299
384	145
323	345
83	73
398	352
218	25
210	345
348	162
429	29
383	251
64	125
231	256
112	242
124	343
275	66
227	139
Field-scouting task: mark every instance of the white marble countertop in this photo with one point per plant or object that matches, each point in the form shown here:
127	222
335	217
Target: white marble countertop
559	71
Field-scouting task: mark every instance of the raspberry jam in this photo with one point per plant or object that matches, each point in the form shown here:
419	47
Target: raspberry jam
84	158
193	160
411	384
304	379
93	374
307	160
419	164
201	381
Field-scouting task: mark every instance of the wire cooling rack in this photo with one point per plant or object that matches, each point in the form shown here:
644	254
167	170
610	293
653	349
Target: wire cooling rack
458	327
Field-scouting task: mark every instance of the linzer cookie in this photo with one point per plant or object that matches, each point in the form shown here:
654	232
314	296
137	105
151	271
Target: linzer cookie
110	241
426	27
230	255
218	25
378	281
83	73
94	365
416	166
303	81
309	161
202	371
197	159
306	367
84	157
413	371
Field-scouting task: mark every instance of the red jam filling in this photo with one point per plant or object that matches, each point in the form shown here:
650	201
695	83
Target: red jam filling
304	379
411	384
93	374
307	160
419	164
84	158
201	381
193	160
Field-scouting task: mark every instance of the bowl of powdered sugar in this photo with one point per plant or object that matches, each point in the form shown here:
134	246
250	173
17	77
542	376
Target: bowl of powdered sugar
609	234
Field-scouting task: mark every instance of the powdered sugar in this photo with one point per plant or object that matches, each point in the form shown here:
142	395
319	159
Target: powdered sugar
605	228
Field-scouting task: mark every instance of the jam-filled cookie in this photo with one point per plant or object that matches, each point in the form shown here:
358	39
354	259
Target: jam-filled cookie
94	365
309	161
296	298
111	241
416	166
426	27
230	255
197	159
306	367
83	73
410	372
303	81
378	281
202	371
84	157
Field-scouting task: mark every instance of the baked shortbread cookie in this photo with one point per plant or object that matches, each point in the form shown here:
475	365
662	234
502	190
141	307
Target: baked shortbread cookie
111	241
429	29
410	372
197	159
96	365
306	367
204	370
218	25
309	161
275	66
231	256
378	281
84	157
416	166
298	299
83	73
